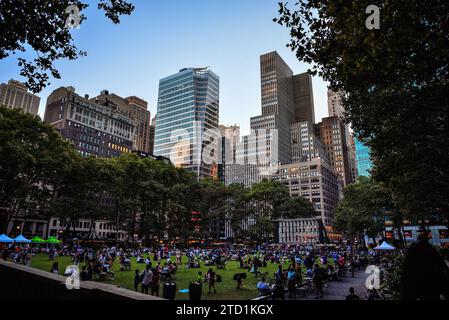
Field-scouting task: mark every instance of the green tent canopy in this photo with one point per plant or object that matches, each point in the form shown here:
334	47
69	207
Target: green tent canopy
52	240
37	239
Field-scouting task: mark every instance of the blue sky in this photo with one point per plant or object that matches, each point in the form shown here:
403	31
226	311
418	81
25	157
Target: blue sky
163	36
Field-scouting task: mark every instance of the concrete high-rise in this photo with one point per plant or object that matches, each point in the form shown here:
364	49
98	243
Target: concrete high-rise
230	139
188	105
352	157
314	180
93	128
305	145
137	110
15	95
332	133
303	98
286	99
336	109
334	104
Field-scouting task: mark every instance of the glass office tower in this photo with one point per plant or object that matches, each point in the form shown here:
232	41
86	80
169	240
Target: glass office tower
364	163
187	107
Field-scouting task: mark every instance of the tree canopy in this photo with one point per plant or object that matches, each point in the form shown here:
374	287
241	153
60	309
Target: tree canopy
42	175
393	83
43	27
363	210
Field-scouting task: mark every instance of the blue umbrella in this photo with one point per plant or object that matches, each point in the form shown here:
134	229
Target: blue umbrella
5	239
21	239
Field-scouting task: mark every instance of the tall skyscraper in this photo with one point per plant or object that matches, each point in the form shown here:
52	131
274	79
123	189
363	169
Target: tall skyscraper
188	105
15	95
303	98
94	129
363	160
230	138
277	107
332	133
352	155
136	109
336	109
305	145
286	99
334	105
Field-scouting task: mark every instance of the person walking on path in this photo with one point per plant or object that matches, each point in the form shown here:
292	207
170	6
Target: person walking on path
352	295
318	278
291	278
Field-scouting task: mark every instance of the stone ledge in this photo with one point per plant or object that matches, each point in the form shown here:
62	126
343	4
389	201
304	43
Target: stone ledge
86	285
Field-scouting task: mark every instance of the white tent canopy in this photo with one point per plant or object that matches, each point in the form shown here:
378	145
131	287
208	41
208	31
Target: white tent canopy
384	246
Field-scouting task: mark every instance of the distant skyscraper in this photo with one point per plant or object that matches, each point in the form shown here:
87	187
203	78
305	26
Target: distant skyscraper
305	145
303	98
138	109
336	109
188	105
352	160
286	99
277	106
230	138
364	163
334	105
332	133
15	95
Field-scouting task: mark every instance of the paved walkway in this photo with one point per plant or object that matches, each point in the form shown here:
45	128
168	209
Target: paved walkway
338	290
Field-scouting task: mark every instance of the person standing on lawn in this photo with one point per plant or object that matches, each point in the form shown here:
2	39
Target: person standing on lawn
211	278
155	283
137	280
147	277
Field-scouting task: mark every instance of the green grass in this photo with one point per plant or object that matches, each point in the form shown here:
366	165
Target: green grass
226	289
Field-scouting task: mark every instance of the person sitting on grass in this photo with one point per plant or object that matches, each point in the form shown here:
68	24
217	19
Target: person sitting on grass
108	271
86	274
263	287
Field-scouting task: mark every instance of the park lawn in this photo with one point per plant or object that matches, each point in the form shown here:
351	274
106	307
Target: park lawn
226	289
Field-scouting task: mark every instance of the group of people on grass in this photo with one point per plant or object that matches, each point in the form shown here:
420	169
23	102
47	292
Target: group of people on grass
295	265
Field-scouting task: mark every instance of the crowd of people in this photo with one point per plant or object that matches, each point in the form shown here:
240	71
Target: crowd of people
296	266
